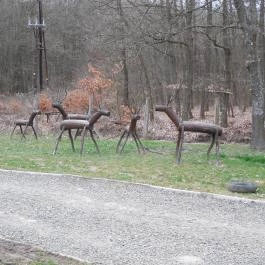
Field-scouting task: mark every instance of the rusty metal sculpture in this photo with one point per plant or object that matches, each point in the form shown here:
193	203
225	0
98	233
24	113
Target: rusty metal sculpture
192	126
26	123
70	116
84	125
130	130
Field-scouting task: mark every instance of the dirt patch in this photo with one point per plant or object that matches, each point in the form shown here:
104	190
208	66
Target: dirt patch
12	253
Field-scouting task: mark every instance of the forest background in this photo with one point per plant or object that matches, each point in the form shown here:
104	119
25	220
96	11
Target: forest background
197	53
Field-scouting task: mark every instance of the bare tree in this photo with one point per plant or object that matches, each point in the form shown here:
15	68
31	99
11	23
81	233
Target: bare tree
249	28
187	98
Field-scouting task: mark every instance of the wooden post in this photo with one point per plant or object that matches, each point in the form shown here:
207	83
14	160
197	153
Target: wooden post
40	45
146	117
217	108
90	105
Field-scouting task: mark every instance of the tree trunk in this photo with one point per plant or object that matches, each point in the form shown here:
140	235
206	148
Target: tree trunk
148	89
171	64
125	91
207	60
123	24
262	38
187	95
224	103
249	31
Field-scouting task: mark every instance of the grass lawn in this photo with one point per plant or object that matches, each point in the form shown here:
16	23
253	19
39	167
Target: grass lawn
194	172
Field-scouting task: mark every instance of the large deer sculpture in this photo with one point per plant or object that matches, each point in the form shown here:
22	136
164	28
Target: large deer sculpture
213	130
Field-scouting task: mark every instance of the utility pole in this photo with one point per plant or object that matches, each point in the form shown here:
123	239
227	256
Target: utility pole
38	29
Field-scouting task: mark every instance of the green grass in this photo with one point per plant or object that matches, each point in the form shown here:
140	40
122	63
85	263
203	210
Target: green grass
194	172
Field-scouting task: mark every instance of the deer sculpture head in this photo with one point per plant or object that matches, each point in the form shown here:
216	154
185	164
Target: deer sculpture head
170	112
134	118
57	105
95	116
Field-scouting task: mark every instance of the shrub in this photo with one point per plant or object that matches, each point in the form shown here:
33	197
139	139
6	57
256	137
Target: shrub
93	86
15	106
45	103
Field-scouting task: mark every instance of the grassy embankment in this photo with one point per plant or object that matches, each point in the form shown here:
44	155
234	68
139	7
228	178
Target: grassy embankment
194	172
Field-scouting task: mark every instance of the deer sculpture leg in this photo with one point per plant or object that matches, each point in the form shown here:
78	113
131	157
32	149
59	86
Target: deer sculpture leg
58	140
211	145
21	130
13	131
216	142
24	132
60	137
137	140
77	133
83	135
127	134
179	143
119	143
34	131
93	139
217	147
84	132
71	139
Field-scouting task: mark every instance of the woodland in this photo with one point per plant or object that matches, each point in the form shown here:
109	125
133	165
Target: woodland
188	53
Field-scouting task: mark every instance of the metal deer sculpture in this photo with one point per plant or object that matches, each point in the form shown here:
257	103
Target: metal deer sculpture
84	125
130	130
70	116
192	126
26	124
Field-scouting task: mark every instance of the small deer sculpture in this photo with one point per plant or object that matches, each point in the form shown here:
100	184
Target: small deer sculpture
130	130
191	126
26	124
84	125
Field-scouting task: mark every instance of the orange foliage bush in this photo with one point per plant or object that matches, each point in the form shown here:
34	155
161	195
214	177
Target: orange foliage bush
15	106
77	100
45	103
90	86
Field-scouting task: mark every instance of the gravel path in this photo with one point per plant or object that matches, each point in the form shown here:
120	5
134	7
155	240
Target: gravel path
110	222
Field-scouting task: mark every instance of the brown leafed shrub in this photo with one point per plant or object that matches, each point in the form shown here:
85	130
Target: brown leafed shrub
92	85
77	101
15	106
45	103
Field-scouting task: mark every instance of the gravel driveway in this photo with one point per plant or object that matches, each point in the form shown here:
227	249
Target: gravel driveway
111	222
